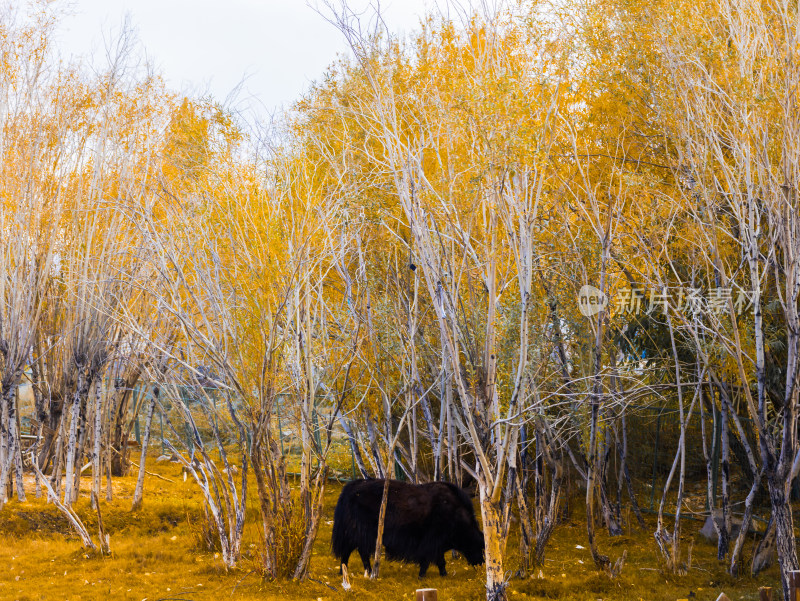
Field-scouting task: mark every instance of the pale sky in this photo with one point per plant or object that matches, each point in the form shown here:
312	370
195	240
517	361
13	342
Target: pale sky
277	46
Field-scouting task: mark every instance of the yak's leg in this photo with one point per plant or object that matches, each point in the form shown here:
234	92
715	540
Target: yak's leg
441	565
365	555
423	567
345	559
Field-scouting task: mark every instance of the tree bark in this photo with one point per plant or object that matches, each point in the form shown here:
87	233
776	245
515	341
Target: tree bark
72	441
725	527
83	436
494	545
304	563
97	440
138	492
784	531
12	460
376	558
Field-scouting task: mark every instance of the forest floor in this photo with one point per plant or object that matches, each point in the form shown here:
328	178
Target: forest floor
157	554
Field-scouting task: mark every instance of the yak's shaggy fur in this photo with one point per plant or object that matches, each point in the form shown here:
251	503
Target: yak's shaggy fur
423	521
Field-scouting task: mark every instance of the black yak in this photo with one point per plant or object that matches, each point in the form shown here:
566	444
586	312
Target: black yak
423	521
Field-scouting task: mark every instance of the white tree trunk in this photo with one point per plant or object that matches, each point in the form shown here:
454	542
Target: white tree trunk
12	459
98	434
494	545
72	440
138	492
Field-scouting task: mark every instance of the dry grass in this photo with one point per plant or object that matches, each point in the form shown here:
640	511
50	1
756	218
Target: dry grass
158	555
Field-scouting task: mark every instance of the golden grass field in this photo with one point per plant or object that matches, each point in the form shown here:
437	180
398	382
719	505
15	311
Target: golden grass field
157	555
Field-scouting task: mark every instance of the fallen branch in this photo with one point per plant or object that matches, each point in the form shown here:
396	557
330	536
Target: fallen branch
136	465
67	511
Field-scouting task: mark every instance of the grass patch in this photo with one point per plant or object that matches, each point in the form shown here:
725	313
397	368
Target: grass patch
156	554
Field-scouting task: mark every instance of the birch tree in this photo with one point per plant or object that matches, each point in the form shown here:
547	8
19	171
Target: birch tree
452	245
739	149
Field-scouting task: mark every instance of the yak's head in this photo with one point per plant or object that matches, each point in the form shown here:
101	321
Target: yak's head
471	545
